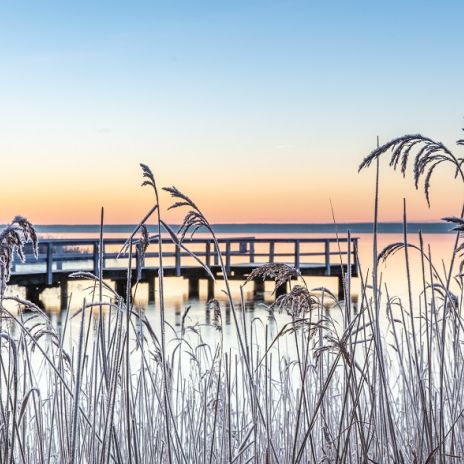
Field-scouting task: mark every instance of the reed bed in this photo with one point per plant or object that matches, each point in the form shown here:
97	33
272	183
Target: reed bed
383	384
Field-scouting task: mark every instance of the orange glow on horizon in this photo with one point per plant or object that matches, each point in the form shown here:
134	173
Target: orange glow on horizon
75	194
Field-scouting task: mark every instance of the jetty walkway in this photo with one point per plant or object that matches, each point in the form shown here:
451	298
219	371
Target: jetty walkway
58	258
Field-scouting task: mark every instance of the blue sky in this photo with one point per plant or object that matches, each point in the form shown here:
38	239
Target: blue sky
218	94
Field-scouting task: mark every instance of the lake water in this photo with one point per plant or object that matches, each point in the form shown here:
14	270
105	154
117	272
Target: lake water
393	273
192	338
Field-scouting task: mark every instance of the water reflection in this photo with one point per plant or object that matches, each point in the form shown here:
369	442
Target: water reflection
255	302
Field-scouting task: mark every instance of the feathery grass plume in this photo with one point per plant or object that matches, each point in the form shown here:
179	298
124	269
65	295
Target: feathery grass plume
428	155
452	300
459	277
28	306
280	272
85	275
297	303
184	316
184	200
460	141
459	223
390	250
141	247
194	219
213	305
147	174
134	232
393	248
328	295
12	241
337	344
459	227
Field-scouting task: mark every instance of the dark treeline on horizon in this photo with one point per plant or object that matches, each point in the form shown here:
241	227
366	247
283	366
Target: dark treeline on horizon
263	228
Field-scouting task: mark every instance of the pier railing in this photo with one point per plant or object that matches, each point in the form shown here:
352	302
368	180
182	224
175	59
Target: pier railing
57	255
68	255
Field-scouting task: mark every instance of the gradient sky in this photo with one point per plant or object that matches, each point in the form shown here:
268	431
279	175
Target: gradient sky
259	110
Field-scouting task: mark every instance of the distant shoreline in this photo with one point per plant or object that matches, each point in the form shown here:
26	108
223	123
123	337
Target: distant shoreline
358	227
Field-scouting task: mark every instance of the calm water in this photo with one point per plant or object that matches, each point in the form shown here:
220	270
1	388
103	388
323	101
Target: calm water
176	292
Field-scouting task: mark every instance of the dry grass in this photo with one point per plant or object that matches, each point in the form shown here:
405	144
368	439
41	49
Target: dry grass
326	386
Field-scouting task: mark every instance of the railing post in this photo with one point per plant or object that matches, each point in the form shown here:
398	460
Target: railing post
297	255
208	254
63	294
271	251
96	263
347	279
139	264
228	257
327	257
49	263
151	287
177	261
348	254
59	263
252	251
355	257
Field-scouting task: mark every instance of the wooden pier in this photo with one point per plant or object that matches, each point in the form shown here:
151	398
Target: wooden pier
58	258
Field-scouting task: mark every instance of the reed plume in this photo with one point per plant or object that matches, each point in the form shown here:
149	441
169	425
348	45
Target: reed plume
194	219
12	241
214	305
297	303
429	154
281	273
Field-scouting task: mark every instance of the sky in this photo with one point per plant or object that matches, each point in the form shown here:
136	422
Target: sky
261	111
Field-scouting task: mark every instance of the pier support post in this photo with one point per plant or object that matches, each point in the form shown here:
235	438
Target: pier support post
193	288
258	288
151	290
64	294
340	291
210	289
282	290
33	294
120	286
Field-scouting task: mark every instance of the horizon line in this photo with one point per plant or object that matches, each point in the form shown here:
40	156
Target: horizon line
125	224
262	228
